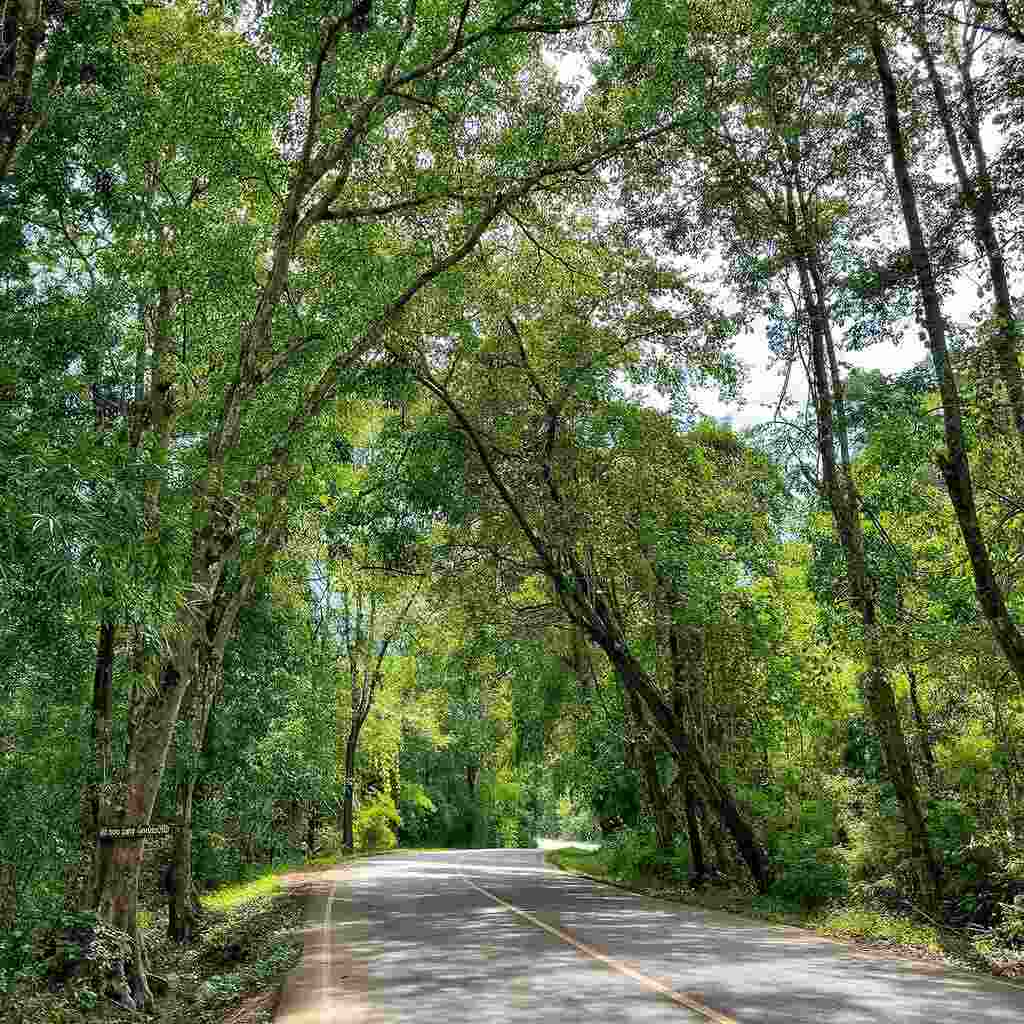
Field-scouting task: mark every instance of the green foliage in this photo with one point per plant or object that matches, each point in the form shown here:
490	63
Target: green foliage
874	925
418	813
1010	929
374	823
510	832
810	877
801	833
351	399
634	854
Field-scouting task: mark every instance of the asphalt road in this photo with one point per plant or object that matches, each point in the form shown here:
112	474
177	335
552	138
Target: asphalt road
433	938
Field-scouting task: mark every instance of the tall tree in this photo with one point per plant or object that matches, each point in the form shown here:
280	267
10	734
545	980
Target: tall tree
953	459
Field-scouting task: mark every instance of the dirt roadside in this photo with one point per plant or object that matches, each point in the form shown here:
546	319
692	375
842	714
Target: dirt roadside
328	985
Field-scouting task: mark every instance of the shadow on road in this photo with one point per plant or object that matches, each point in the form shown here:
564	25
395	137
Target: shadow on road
412	941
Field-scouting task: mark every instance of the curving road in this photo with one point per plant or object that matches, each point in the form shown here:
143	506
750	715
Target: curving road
475	936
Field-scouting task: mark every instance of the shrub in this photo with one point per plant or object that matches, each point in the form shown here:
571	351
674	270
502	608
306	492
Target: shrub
216	861
576	823
878	842
328	841
810	878
811	870
634	853
372	825
861	923
418	813
1010	929
509	832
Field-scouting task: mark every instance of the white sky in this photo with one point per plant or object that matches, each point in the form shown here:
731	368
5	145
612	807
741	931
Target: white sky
761	393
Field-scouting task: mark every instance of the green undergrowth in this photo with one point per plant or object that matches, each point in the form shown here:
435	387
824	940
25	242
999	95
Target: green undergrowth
266	879
859	923
850	923
249	941
228	897
249	938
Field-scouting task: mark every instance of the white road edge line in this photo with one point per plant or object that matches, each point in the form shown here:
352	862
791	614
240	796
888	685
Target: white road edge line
677	997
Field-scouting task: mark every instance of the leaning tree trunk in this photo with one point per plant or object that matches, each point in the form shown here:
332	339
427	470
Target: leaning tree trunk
690	758
657	798
588	607
977	193
691	803
953	461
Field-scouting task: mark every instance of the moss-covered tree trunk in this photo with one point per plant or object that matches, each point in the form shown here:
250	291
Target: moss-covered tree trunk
697	858
646	760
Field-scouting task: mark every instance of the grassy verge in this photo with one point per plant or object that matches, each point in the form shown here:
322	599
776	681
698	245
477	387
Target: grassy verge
250	939
889	932
267	879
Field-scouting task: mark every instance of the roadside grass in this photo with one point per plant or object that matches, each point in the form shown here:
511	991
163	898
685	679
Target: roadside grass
848	923
266	879
229	897
874	926
249	938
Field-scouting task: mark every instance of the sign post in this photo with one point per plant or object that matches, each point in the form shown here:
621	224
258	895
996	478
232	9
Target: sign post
135	832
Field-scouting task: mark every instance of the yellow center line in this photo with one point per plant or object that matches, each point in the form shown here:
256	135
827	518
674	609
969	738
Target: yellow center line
616	965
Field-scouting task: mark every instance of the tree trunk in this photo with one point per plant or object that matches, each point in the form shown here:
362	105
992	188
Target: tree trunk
588	607
691	759
922	726
657	798
102	728
8	894
118	906
953	461
120	858
312	828
24	30
296	824
154	712
197	708
977	193
348	796
700	870
844	501
183	921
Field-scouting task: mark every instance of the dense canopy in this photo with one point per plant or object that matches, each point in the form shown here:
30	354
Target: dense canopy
357	478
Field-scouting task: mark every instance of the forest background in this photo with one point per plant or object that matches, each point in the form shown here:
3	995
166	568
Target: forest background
357	484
